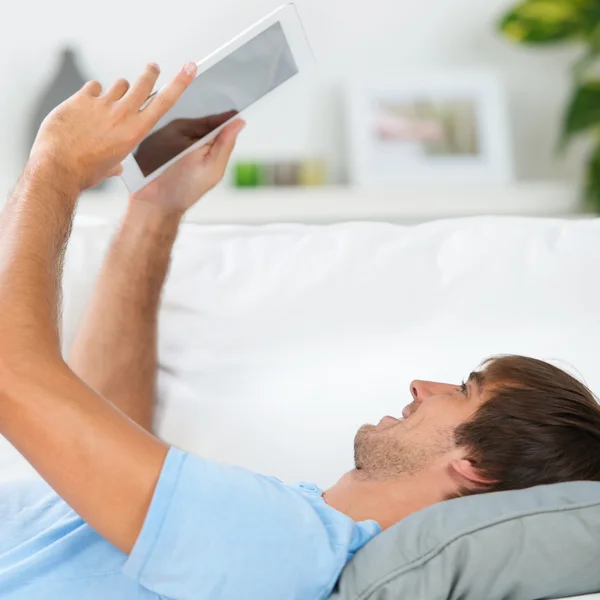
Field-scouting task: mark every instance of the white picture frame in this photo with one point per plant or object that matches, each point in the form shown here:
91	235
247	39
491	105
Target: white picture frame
392	151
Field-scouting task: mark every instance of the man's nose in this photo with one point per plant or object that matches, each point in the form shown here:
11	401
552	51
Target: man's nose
421	390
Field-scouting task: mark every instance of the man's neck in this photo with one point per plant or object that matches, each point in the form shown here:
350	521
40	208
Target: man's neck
386	501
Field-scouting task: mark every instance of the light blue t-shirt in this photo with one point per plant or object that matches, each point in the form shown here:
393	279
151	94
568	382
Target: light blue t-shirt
212	532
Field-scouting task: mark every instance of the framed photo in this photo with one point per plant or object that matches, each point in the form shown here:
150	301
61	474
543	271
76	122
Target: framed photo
435	128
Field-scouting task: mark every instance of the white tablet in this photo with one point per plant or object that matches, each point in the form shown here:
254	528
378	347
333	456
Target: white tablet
255	64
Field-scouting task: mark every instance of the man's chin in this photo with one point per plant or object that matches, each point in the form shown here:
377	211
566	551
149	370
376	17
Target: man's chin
365	430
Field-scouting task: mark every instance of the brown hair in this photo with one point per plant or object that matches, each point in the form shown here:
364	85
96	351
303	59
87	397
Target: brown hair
538	425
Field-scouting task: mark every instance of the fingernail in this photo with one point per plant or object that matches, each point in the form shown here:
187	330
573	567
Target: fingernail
154	66
189	68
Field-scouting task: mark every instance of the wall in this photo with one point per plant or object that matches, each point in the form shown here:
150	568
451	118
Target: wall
351	39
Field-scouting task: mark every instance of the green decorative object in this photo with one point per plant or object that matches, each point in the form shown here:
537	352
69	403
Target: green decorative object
301	173
544	22
248	175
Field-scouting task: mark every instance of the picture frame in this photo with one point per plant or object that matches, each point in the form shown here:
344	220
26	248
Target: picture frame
448	127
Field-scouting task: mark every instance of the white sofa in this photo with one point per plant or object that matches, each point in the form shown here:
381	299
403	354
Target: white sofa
278	342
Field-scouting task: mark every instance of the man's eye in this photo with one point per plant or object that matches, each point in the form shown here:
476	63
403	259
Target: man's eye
463	388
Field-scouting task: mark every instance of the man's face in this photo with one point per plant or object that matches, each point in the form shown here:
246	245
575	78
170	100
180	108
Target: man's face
425	434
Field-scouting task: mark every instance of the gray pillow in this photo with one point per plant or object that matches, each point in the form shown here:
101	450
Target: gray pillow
543	542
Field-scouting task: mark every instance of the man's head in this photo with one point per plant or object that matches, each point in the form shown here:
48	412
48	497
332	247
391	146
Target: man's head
516	423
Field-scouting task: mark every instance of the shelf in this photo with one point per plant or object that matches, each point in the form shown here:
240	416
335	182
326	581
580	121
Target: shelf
336	204
409	204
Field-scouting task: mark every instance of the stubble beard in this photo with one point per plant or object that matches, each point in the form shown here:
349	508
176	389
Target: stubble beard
384	455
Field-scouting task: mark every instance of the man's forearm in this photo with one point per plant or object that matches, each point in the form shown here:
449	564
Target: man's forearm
59	424
115	351
33	234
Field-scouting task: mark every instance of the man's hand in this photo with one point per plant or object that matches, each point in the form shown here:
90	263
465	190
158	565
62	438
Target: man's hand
185	182
91	133
175	137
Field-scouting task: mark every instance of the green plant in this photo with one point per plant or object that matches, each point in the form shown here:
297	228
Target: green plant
542	22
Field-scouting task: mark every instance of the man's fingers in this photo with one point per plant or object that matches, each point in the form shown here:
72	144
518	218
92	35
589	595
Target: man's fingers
138	93
168	96
117	90
225	143
92	88
198	128
116	171
203	126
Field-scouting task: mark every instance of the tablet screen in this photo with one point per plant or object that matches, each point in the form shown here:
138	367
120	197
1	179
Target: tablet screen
215	96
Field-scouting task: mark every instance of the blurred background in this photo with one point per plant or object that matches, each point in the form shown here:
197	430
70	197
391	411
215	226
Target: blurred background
361	48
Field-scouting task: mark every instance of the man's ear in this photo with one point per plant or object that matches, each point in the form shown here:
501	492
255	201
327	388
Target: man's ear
467	474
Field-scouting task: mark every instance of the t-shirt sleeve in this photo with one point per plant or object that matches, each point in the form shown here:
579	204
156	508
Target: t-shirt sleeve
221	532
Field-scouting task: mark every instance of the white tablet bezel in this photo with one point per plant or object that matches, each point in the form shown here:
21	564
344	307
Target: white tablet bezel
288	16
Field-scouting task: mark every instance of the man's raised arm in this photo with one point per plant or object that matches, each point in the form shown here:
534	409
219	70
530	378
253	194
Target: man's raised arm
101	463
115	351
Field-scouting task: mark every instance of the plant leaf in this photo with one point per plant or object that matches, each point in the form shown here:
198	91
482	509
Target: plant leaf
583	111
547	21
592	189
592	12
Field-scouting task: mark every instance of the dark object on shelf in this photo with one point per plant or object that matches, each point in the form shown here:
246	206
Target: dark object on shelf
286	174
66	82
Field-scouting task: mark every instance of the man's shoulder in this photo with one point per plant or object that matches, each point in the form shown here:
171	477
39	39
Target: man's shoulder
299	511
253	532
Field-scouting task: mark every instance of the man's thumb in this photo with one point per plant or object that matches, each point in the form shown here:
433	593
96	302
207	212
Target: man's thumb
225	142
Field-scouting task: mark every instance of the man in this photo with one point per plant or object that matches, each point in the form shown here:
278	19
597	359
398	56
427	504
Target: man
130	517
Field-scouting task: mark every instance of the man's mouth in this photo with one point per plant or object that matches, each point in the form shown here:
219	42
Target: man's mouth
389	420
409	410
